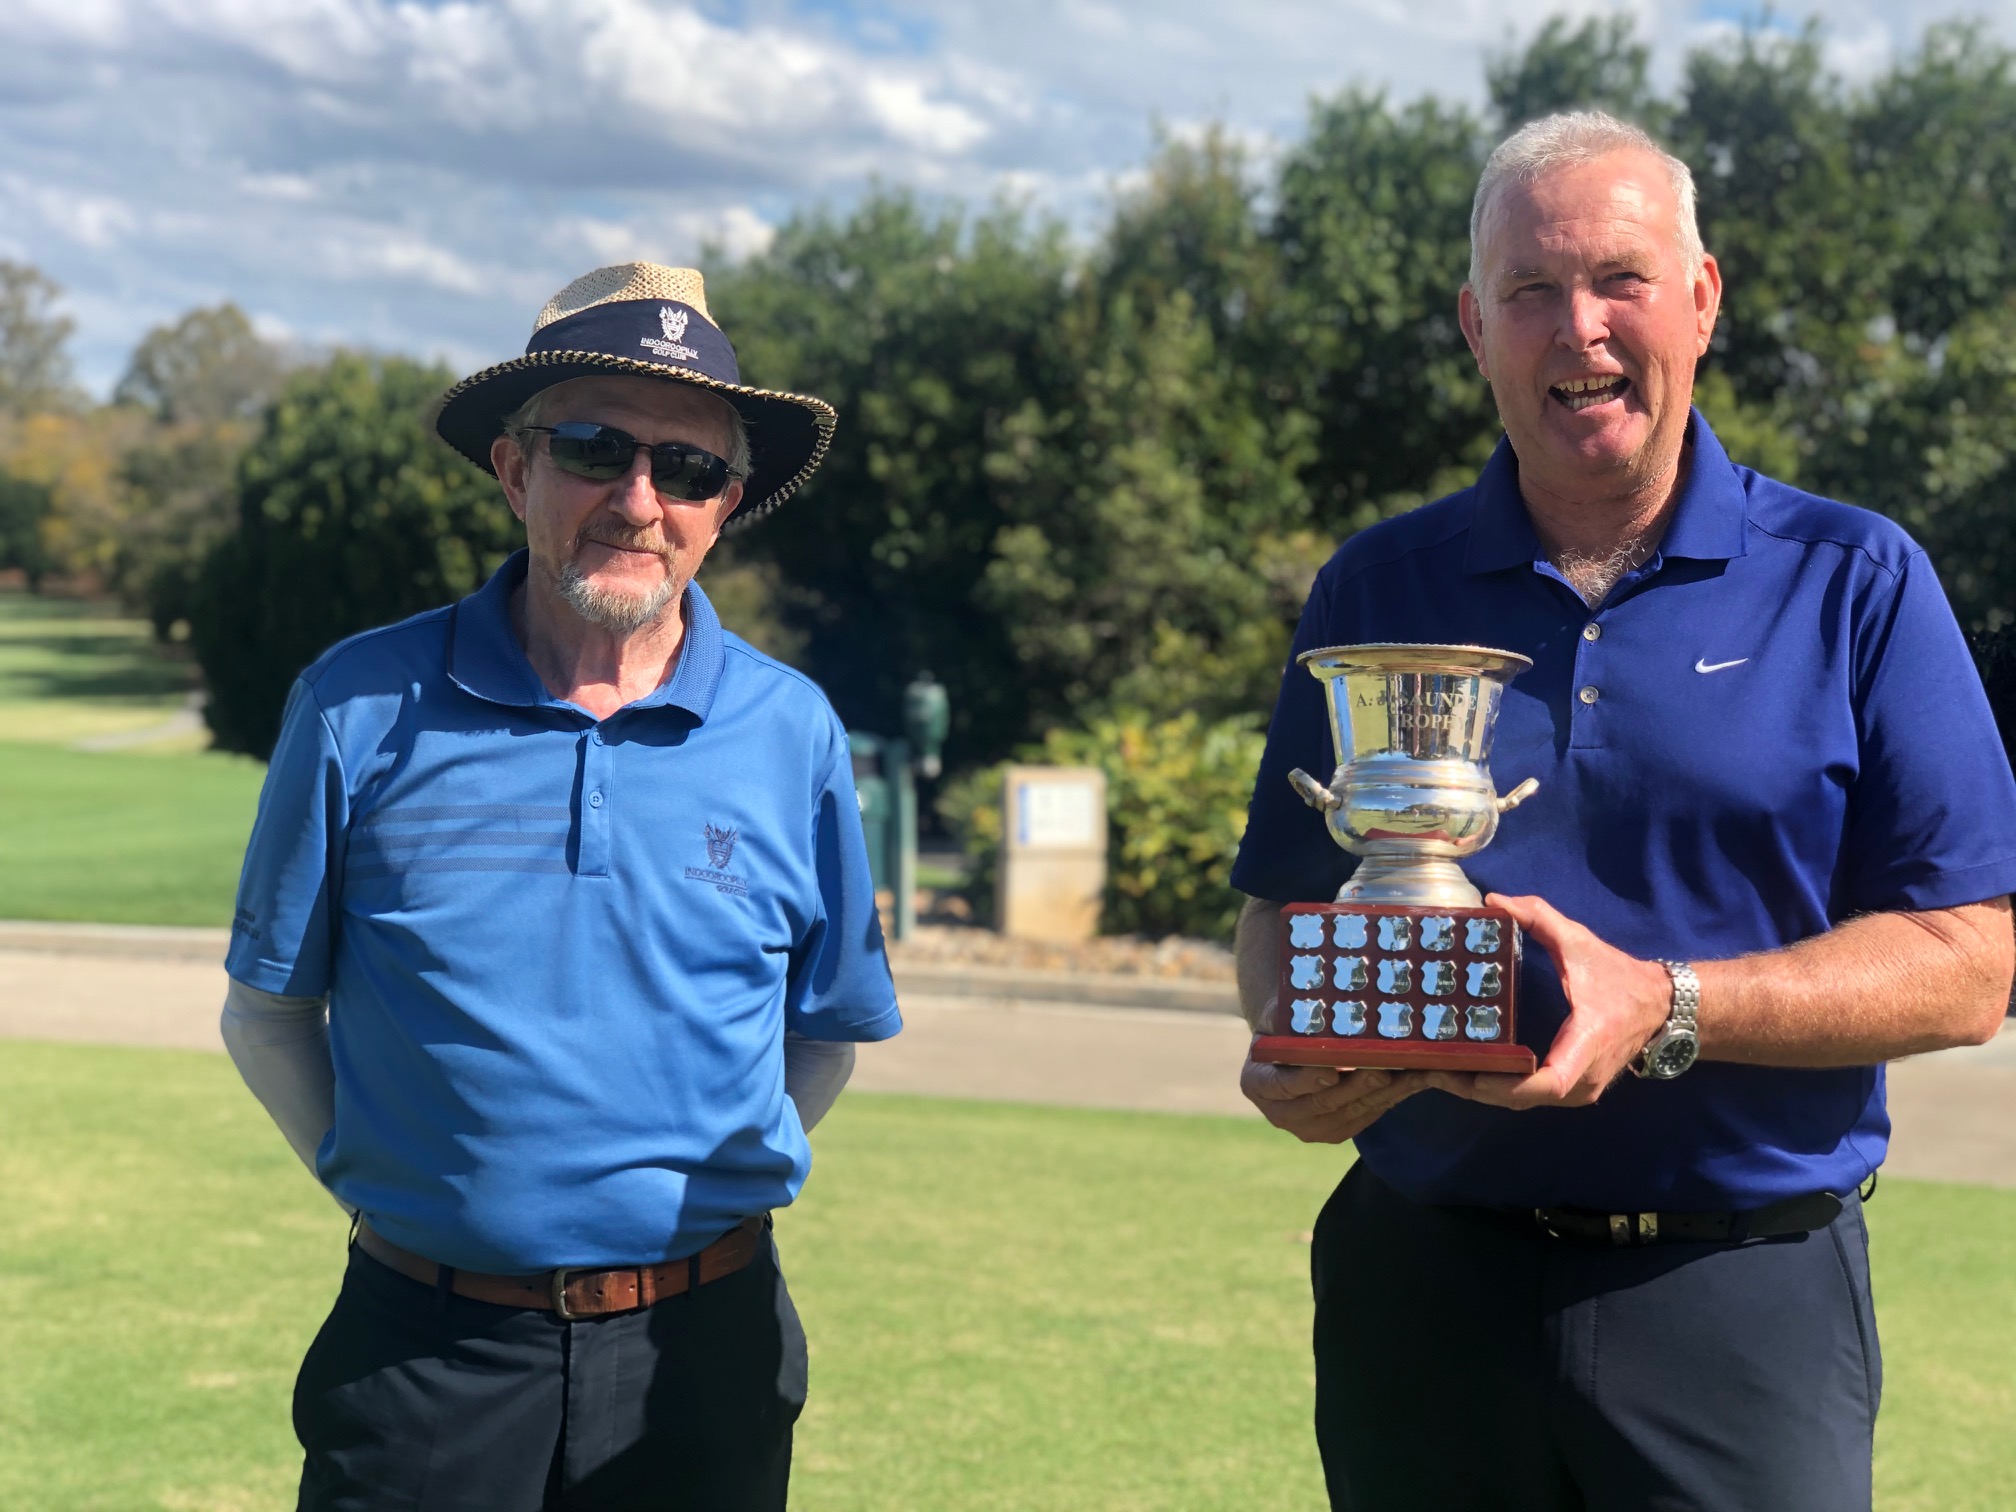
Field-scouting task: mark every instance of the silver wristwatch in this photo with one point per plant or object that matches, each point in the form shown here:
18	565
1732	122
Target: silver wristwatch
1673	1049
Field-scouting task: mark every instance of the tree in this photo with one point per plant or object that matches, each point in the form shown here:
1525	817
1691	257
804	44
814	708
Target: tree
1158	539
24	510
1940	459
1193	229
203	380
181	500
1598	65
209	367
1765	129
926	330
351	514
34	367
1934	146
1865	243
1995	659
1373	233
75	456
1138	515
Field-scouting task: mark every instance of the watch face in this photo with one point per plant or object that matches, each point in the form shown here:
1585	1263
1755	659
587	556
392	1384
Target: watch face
1671	1056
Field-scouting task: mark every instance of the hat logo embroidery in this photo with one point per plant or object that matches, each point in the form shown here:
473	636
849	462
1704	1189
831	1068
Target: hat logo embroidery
673	322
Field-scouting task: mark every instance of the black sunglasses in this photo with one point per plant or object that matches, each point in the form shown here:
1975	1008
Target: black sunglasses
604	453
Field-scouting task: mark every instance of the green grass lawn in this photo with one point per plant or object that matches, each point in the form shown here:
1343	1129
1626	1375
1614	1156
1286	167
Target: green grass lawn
149	835
70	669
122	837
1010	1308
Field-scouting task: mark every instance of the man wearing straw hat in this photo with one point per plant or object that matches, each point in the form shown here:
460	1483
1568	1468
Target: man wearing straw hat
554	935
1771	850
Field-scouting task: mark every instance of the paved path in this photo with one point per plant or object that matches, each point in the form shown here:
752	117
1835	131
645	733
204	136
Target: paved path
1955	1113
186	723
1084	1055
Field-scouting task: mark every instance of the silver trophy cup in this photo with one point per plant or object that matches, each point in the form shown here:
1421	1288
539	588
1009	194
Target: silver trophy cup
1412	795
1407	968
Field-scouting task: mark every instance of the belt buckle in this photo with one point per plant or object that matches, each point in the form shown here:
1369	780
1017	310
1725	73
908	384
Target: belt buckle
559	1297
1633	1228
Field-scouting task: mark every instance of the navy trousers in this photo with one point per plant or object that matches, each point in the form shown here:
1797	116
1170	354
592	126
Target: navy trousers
412	1399
1466	1362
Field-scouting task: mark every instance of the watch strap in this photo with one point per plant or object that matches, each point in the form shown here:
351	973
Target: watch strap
1682	1016
1686	1010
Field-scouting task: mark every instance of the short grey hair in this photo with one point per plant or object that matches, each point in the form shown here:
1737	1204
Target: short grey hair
532	412
1563	141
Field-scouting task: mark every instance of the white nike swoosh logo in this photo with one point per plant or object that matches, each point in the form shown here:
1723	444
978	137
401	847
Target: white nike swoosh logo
1705	665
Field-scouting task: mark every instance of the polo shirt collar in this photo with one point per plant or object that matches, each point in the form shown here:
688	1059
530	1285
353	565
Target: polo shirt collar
485	659
1708	522
1501	532
1708	525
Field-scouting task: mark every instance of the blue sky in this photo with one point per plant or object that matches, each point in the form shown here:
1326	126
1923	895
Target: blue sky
418	175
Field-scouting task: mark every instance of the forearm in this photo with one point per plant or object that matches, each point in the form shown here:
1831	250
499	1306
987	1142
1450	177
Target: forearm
280	1046
1256	950
1878	987
815	1071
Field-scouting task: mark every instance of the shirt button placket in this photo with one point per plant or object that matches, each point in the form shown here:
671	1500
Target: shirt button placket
1582	719
597	791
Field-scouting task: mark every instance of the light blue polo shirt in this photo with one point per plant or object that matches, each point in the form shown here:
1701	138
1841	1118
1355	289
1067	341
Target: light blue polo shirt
561	954
1770	726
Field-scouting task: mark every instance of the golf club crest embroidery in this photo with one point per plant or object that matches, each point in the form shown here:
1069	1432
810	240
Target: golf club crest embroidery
721	846
720	852
673	322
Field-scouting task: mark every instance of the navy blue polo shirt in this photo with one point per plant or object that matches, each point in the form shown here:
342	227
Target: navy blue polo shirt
1770	726
561	954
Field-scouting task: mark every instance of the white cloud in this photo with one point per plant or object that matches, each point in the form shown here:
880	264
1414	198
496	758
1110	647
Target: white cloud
91	220
420	174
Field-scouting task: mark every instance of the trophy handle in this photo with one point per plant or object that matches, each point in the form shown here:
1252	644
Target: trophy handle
1315	794
1517	796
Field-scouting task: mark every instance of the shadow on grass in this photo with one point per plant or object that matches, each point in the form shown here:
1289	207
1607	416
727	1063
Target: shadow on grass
137	681
47	654
17	605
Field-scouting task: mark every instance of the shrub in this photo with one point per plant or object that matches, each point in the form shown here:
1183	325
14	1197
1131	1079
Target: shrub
1995	659
1176	793
351	514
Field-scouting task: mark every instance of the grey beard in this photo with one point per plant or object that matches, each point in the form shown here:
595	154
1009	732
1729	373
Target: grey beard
618	613
1593	575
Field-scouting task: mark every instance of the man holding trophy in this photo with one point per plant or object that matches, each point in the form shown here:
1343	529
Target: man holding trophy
1764	840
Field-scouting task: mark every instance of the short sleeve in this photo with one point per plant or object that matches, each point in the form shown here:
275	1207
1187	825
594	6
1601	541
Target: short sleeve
281	935
839	986
1286	854
1932	809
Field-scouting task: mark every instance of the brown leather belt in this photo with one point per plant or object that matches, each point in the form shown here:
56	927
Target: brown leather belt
590	1293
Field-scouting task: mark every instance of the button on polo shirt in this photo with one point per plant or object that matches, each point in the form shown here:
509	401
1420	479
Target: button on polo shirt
561	954
1769	726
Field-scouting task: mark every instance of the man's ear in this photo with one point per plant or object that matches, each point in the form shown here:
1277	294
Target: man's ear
731	497
511	465
1470	315
1707	303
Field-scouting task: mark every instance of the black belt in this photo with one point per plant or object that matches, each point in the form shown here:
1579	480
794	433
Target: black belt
1794	1215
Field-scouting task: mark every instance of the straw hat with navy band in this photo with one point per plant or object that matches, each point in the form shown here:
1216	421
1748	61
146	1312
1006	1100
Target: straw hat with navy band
647	321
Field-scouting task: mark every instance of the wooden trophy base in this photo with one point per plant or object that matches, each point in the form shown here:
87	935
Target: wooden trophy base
1406	986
